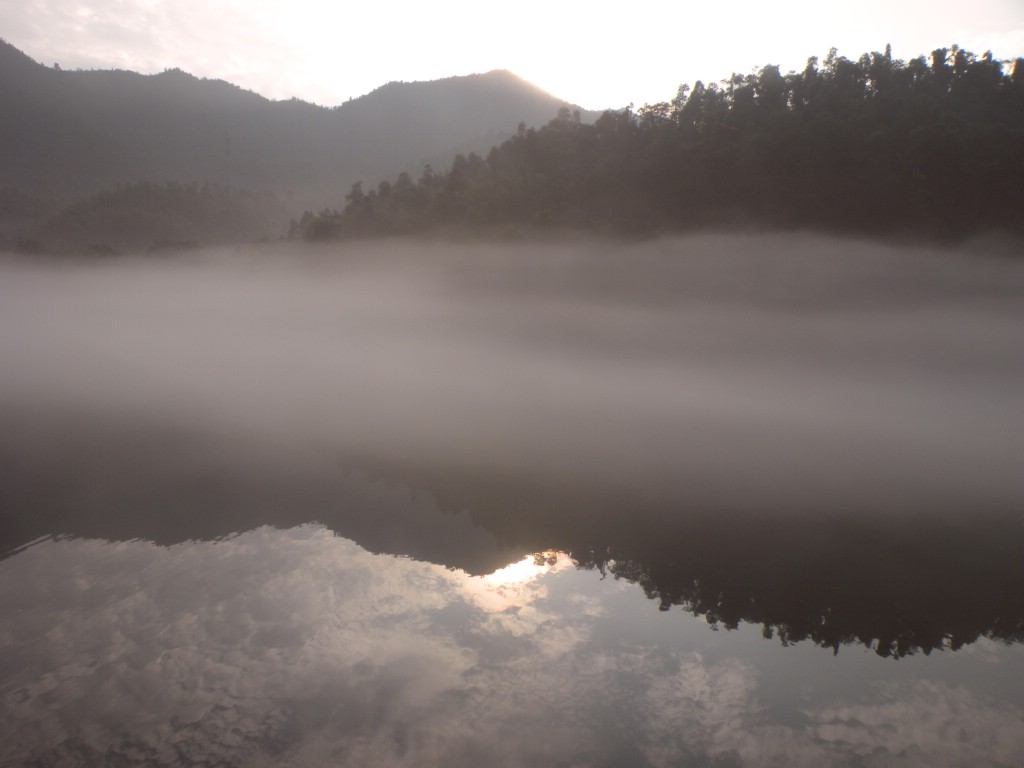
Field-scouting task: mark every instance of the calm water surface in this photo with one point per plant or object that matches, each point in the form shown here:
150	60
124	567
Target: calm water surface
745	502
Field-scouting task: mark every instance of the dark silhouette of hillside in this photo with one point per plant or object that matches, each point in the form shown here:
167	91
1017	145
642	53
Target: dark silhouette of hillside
933	146
68	134
151	216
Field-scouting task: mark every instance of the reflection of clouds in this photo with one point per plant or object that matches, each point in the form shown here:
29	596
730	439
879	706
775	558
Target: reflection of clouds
213	640
716	710
716	698
924	723
298	647
266	645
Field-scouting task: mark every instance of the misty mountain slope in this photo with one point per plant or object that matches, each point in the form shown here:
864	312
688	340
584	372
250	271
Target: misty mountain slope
383	118
70	133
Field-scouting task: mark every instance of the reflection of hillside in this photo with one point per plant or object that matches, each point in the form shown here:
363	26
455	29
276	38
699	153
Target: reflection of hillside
898	585
99	478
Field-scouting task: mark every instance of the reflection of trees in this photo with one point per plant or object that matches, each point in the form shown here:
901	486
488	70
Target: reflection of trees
900	586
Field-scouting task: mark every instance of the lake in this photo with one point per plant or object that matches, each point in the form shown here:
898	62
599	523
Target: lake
724	500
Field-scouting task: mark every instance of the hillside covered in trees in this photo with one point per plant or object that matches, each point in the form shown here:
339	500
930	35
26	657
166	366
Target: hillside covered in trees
153	216
932	146
73	133
86	152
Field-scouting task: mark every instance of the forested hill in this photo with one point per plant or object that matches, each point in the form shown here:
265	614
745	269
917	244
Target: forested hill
70	133
933	146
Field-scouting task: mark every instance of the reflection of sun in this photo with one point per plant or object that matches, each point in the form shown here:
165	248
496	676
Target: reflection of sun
512	586
527	569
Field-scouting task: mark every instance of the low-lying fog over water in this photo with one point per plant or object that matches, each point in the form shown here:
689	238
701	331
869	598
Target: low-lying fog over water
816	444
770	372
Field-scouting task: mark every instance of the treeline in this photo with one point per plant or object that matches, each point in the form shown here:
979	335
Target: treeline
934	146
147	216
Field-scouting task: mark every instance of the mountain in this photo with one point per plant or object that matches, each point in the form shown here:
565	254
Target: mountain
932	147
72	133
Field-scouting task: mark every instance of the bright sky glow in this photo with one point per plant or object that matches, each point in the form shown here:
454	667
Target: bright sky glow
594	55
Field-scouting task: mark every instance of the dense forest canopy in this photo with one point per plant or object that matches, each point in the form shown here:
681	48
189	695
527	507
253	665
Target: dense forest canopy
932	146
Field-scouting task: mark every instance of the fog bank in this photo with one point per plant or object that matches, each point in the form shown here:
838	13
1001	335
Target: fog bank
732	372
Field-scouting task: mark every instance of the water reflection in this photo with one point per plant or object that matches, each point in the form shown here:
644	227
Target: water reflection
899	584
300	647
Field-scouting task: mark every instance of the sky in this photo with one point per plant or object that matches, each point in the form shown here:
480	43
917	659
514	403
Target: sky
595	55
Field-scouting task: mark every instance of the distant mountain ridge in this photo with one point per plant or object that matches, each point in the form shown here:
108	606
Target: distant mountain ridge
73	133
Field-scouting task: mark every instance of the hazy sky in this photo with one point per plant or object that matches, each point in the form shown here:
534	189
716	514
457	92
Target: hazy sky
592	54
